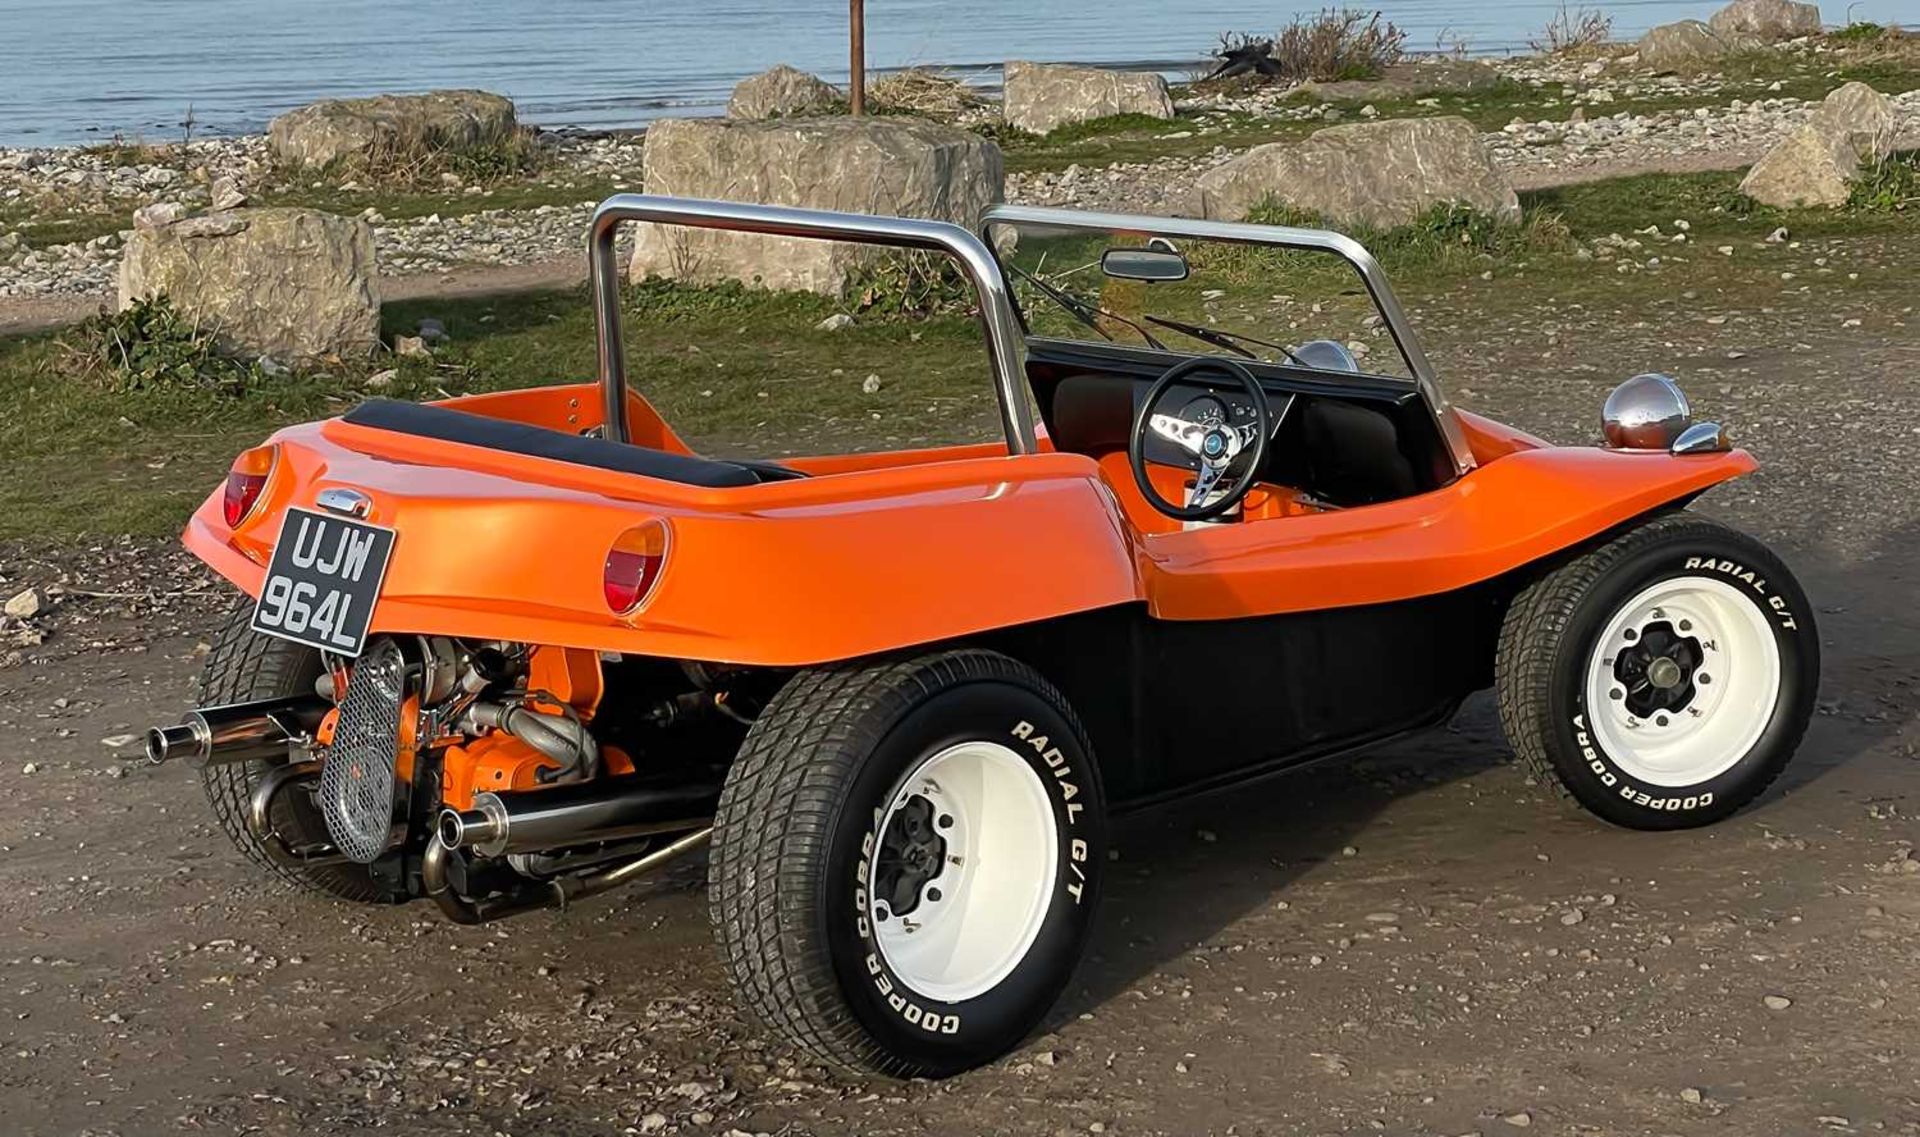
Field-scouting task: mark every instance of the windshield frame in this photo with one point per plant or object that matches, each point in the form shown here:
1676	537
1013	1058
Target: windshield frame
1425	382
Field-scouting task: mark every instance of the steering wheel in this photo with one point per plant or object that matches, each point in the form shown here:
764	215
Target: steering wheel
1213	445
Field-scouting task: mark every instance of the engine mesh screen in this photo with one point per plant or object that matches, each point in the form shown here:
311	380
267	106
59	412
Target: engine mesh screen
357	775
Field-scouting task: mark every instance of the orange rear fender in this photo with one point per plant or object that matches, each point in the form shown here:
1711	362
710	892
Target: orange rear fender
498	546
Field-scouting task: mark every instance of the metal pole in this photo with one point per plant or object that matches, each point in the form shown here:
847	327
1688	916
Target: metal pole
857	32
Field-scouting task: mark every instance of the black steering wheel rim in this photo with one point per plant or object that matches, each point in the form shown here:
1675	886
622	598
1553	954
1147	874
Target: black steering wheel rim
1255	454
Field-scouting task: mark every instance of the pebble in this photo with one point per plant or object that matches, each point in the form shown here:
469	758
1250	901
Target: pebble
1777	1002
23	604
1519	1120
871	385
836	322
1692	1096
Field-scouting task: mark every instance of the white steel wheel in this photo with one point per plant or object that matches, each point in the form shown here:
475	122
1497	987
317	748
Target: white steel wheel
964	874
1682	681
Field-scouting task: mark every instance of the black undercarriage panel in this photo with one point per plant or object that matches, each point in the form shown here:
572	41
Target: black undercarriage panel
1176	706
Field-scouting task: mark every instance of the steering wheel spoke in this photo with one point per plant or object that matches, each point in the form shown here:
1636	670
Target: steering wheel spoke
1217	446
1204	480
1186	435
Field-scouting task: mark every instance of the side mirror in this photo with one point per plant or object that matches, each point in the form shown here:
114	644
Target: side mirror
1144	264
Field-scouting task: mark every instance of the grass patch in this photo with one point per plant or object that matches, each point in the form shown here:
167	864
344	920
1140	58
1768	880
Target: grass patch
1712	204
119	152
1889	185
150	346
40	230
1865	32
401	204
1447	239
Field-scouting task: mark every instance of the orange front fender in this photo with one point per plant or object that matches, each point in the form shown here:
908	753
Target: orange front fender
1528	504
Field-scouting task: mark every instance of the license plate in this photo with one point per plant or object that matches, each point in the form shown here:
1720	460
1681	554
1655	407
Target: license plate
323	581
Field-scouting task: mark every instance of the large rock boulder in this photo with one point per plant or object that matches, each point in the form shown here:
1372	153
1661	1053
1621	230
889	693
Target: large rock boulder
1816	163
897	166
1687	45
782	91
1041	97
1808	167
1859	110
1373	173
291	284
359	131
1767	20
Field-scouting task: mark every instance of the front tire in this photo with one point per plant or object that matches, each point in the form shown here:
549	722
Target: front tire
1662	679
906	861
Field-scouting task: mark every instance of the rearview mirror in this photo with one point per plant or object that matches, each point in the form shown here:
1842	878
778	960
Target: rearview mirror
1144	264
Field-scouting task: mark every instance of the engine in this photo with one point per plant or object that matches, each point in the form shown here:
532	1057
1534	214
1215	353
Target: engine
491	777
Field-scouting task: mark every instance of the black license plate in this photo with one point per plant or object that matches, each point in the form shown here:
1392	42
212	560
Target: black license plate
323	581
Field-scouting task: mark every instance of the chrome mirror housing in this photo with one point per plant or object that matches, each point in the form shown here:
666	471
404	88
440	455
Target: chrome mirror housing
1702	438
1647	412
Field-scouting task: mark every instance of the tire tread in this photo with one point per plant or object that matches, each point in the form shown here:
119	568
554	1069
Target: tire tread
775	825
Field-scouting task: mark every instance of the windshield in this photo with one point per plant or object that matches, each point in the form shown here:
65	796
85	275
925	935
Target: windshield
1196	296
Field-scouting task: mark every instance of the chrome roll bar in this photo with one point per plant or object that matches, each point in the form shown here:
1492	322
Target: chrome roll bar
1340	245
1005	342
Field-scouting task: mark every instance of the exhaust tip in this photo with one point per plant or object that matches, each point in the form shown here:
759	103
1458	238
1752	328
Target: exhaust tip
166	743
451	829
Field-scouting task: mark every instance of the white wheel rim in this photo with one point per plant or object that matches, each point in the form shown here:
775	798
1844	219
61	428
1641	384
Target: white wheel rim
977	916
1734	685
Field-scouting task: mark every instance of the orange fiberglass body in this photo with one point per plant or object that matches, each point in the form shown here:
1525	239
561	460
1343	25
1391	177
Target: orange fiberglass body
507	651
898	550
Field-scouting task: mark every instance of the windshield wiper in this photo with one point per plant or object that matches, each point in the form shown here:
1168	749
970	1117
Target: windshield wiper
1229	340
1084	312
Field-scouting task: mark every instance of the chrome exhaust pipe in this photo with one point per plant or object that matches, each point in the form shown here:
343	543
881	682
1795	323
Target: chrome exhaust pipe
237	732
260	803
435	882
576	813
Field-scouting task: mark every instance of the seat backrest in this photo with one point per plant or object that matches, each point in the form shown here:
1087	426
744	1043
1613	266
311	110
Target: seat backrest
470	429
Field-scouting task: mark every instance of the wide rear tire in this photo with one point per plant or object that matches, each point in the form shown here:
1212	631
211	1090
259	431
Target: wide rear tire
906	861
245	666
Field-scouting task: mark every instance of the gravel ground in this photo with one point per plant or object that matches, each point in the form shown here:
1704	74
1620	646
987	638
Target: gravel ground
1419	942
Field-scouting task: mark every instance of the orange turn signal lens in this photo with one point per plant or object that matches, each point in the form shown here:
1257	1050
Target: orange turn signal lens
633	566
245	481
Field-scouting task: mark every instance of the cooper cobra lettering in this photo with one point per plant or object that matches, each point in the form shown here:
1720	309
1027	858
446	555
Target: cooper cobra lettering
1605	772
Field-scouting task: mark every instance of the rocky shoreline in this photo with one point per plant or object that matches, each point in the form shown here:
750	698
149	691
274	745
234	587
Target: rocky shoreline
1578	140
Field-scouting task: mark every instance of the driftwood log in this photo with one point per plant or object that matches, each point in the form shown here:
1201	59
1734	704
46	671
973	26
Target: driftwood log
1253	57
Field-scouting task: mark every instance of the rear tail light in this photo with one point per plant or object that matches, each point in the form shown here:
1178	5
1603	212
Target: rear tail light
245	481
633	566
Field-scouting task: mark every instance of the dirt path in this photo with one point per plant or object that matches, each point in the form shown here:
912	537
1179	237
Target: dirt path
1417	943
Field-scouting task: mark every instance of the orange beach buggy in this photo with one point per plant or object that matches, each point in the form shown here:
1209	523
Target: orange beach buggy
512	650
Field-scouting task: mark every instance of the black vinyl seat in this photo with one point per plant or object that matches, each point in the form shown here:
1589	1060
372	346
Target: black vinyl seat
471	429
